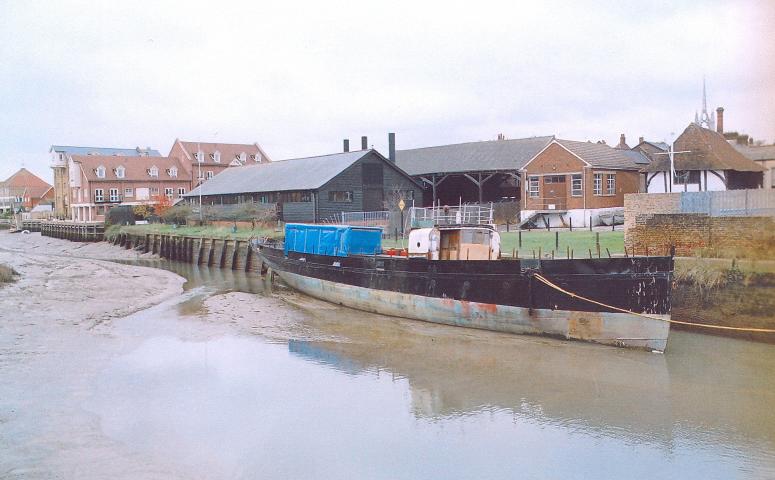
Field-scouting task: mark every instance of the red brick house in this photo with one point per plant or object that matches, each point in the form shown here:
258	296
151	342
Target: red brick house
26	190
100	182
570	181
212	158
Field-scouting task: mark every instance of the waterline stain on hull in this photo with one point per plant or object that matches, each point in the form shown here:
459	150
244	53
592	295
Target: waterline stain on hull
618	329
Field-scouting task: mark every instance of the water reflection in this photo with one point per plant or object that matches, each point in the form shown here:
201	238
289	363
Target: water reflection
401	399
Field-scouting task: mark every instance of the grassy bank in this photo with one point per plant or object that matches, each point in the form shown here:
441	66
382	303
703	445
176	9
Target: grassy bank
580	242
192	231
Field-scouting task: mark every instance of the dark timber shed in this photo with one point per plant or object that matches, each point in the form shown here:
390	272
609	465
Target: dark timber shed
315	189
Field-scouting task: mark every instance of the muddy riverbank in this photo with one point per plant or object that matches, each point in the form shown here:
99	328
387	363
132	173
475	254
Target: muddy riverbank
222	378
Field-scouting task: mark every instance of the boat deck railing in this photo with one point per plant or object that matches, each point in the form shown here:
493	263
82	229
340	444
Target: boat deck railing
422	217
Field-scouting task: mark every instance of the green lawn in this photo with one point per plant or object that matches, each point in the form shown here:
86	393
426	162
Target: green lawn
579	241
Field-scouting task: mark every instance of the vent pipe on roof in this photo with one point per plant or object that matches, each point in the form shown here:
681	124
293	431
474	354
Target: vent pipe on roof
720	119
640	140
392	147
364	143
346	145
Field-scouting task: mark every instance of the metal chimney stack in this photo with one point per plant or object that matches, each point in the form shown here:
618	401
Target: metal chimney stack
392	147
364	143
346	145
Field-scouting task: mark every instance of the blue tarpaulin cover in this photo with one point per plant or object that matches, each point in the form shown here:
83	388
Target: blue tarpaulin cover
336	240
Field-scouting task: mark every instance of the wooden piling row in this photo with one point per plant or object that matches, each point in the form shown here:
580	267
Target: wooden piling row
75	232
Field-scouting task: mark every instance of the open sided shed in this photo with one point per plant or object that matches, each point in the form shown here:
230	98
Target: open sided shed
472	172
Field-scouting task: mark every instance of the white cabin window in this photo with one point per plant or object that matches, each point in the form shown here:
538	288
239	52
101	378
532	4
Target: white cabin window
154	191
199	156
120	172
100	172
129	192
114	195
217	157
169	192
99	195
532	186
153	171
173	172
181	192
209	174
243	157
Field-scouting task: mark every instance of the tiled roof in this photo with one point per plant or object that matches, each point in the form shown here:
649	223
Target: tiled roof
756	152
494	155
135	168
229	151
603	156
708	150
127	152
24	180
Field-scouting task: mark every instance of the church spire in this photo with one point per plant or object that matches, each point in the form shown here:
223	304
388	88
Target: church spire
706	120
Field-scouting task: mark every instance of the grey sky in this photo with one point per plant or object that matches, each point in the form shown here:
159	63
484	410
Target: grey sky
300	77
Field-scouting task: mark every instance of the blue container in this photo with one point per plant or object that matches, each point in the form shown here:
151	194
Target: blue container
335	240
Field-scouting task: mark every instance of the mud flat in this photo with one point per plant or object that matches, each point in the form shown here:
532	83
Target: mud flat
54	334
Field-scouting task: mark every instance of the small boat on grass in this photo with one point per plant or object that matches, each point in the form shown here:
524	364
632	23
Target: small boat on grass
453	275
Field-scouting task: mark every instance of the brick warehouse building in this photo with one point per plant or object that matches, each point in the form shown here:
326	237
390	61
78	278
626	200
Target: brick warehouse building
210	159
570	181
100	182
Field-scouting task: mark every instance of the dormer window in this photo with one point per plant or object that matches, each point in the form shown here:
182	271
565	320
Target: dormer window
199	156
153	171
243	157
173	172
217	157
100	171
256	158
120	172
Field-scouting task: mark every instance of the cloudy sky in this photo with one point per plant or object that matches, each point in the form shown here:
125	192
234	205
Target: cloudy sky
300	77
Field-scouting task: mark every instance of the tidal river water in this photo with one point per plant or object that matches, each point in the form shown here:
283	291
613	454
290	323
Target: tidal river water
297	388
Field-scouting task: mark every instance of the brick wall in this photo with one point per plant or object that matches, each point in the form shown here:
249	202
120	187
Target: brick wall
689	232
654	221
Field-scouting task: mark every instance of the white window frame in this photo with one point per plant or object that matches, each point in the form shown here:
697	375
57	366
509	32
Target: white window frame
129	192
533	186
577	192
597	184
114	196
154	191
99	195
217	157
243	157
173	172
169	192
100	171
209	174
610	184
181	192
199	156
120	172
153	171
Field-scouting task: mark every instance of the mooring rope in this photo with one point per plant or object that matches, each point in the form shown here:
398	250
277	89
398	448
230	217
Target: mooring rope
547	282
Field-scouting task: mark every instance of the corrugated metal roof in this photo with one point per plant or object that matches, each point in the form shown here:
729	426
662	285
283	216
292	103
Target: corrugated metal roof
127	152
601	155
494	155
284	175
